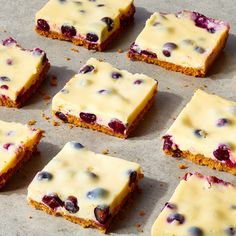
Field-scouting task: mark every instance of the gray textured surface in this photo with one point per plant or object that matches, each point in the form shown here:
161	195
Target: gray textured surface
162	174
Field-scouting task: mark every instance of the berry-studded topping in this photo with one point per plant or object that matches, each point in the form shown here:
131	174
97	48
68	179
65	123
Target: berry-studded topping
230	231
222	122
132	177
109	22
168	48
77	145
88	117
171	206
176	217
43	25
102	213
53	201
199	49
4	78
92	37
9	61
149	54
97	193
68	31
4	87
200	133
71	204
204	22
7	145
222	153
44	175
86	69
117	126
9	42
61	116
116	75
195	231
138	81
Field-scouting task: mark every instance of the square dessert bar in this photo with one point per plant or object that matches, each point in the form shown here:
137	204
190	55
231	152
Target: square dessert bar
17	144
89	23
201	205
105	99
78	185
21	72
205	132
186	42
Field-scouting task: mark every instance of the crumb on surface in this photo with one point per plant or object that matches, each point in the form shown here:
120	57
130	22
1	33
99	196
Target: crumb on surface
53	81
55	123
30	217
142	213
182	166
74	50
139	229
31	122
71	126
119	50
47	97
67	58
105	152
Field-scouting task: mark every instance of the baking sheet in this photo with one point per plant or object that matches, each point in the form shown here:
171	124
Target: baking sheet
144	146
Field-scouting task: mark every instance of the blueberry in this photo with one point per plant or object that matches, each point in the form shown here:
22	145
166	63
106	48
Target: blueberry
43	25
62	1
92	37
97	193
4	78
4	87
61	116
171	206
233	207
176	217
222	122
168	48
53	201
109	22
77	145
149	54
211	30
9	61
86	69
199	133
132	177
230	231
44	175
65	91
117	126
7	145
91	174
68	31
102	213
100	5
104	91
71	204
222	153
138	81
199	49
195	231
9	41
82	11
88	117
116	75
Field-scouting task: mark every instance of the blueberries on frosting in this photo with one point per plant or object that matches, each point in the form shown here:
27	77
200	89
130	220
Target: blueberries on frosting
199	133
86	69
200	50
195	231
168	48
231	231
4	79
116	75
43	25
97	193
176	217
222	122
71	204
77	145
44	175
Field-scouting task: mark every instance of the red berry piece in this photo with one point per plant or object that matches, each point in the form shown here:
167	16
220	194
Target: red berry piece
7	145
61	116
222	153
117	126
4	87
138	81
68	31
71	204
116	75
102	213
9	42
9	61
222	122
43	25
92	37
88	117
149	54
53	201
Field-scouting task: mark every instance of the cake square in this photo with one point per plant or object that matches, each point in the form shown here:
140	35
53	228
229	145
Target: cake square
186	42
201	205
78	185
17	145
105	99
204	132
92	24
21	72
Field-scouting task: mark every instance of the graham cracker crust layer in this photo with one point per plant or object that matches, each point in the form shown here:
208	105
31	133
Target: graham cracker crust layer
202	160
197	72
125	19
89	223
23	156
24	95
106	130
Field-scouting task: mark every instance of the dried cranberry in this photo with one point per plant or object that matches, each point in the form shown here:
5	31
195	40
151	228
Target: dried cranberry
138	81
7	145
43	25
53	201
116	75
88	117
71	204
222	122
149	54
9	41
102	213
61	116
9	61
117	126
176	217
68	31
92	37
4	87
222	153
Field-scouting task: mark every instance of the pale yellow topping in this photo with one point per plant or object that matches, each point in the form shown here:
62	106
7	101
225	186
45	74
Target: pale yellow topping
20	67
77	171
122	98
85	16
14	137
203	112
161	29
204	205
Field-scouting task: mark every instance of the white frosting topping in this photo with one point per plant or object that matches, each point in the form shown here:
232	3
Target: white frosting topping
77	172
193	44
206	122
211	207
